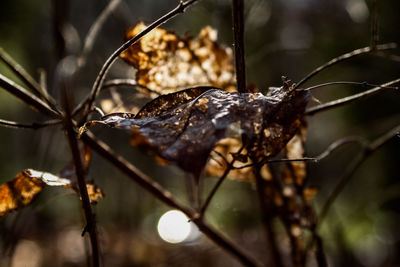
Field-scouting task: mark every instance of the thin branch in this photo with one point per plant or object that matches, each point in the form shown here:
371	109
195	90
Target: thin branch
332	147
319	251
28	98
363	84
361	157
374	23
80	174
216	187
349	99
94	31
88	102
238	34
343	57
267	214
33	126
27	79
43	80
166	197
126	82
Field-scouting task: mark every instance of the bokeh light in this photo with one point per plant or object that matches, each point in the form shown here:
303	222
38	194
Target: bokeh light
174	227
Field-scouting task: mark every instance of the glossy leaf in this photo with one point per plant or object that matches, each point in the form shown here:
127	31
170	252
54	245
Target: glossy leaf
185	130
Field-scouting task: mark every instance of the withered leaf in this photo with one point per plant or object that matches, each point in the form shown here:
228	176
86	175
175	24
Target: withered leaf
186	131
26	185
295	173
165	62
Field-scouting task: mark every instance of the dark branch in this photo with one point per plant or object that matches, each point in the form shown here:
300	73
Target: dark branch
126	82
28	98
238	34
33	126
80	174
361	157
363	84
94	31
346	56
374	23
349	99
332	147
267	213
26	78
216	187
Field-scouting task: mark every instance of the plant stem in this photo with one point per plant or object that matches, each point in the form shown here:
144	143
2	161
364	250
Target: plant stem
94	31
361	157
28	98
267	213
238	34
346	56
26	78
349	99
80	174
33	126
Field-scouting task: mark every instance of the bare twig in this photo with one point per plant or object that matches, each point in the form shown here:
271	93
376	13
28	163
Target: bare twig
361	157
346	56
126	82
43	80
238	34
94	31
216	187
363	84
332	147
349	99
374	23
89	100
80	174
165	196
28	98
267	214
319	251
33	126
26	78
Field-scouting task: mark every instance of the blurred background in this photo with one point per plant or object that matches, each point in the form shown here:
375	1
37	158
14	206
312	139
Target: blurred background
288	38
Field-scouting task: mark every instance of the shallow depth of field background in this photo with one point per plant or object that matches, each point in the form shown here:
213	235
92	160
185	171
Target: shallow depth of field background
288	38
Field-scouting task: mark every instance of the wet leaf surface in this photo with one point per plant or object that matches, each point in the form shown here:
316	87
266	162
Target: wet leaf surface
184	127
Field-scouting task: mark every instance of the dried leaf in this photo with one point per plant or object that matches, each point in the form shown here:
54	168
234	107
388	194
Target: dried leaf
216	166
309	194
165	62
295	150
26	185
226	148
185	130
